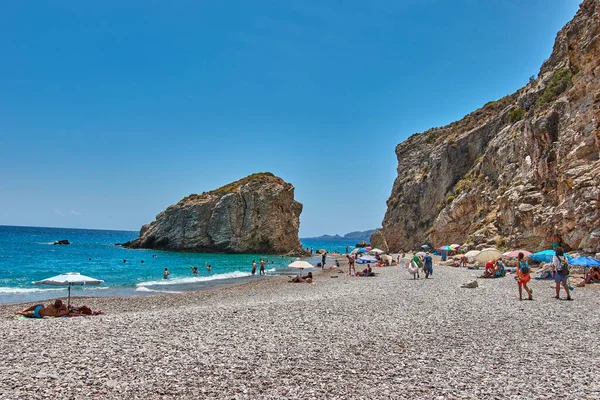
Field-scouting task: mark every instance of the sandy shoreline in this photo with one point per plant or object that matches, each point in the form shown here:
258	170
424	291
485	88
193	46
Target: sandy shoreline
338	338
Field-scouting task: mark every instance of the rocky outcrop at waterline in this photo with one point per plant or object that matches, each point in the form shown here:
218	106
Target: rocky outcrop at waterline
257	214
516	170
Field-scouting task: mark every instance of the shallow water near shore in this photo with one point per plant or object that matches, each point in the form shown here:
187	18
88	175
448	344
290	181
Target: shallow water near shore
28	254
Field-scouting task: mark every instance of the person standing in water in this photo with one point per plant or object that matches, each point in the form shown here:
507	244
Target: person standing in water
194	270
253	267
262	266
166	273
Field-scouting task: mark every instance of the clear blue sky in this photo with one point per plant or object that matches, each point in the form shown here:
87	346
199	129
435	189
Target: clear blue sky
111	111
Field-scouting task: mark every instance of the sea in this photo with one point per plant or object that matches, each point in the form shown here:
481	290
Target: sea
28	254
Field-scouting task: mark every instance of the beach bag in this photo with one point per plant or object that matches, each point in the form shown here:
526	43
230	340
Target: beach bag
563	268
524	266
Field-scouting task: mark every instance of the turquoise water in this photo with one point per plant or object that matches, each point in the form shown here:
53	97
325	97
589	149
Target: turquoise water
27	254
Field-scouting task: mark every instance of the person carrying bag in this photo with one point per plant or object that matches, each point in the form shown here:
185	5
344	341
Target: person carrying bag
560	268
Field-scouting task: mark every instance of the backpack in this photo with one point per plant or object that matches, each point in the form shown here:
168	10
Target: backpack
524	266
563	268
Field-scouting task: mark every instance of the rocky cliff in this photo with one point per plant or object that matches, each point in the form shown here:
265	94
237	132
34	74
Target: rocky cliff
257	214
514	171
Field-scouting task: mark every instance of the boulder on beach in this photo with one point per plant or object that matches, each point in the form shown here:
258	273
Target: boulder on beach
362	244
256	214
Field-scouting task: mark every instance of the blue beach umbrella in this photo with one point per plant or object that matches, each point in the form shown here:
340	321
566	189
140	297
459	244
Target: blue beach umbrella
585	262
425	246
363	250
545	256
366	260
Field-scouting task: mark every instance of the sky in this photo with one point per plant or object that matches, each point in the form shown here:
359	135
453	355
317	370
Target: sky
112	111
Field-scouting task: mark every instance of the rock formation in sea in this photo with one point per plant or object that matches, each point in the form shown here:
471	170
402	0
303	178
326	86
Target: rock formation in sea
257	214
516	170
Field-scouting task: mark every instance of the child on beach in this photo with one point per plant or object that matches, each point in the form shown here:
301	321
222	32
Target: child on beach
523	276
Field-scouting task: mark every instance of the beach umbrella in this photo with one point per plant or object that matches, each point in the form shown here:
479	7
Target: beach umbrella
515	253
472	253
458	256
425	246
376	251
354	251
486	255
585	262
366	260
301	265
362	251
368	247
69	279
446	248
546	256
455	246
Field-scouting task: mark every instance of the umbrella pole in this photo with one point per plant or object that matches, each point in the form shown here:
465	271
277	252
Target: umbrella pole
69	300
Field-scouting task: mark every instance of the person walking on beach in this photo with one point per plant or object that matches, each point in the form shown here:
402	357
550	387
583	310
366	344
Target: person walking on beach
560	268
166	274
262	266
418	264
253	267
323	257
428	265
523	276
351	265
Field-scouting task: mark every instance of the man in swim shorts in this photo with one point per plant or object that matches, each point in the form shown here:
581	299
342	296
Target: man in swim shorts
57	309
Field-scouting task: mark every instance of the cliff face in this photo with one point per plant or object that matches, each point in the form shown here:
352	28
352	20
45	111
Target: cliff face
257	214
516	170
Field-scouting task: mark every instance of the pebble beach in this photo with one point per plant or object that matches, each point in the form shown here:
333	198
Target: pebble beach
341	337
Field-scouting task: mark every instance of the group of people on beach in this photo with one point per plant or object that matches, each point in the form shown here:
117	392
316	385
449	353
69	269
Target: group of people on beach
560	274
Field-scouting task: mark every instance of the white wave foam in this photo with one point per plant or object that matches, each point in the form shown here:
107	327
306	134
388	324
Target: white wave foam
179	281
14	290
146	290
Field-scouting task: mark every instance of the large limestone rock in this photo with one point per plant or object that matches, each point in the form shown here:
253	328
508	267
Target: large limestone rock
516	170
378	240
257	214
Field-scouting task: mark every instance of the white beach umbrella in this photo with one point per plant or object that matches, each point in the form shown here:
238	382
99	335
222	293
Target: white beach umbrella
354	251
454	246
488	255
68	279
301	265
377	251
472	253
